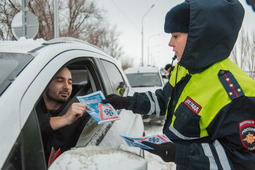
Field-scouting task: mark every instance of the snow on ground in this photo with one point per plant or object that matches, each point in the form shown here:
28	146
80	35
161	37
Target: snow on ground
154	161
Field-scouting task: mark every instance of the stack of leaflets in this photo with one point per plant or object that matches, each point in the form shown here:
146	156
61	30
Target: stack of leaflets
99	111
137	142
54	154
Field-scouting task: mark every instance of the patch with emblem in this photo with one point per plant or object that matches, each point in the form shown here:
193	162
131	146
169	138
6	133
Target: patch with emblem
247	134
192	105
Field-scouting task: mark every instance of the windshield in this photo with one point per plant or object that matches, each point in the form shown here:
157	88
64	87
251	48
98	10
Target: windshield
144	79
10	66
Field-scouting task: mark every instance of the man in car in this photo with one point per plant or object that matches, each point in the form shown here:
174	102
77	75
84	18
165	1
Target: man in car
60	131
209	101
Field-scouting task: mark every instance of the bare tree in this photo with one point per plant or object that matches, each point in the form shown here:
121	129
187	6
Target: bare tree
77	18
102	40
251	59
8	9
126	62
43	9
243	53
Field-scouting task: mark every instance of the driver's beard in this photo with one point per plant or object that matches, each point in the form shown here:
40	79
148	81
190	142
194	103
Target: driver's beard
53	96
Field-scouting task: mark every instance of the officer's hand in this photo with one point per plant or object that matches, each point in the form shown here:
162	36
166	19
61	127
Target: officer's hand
117	102
165	150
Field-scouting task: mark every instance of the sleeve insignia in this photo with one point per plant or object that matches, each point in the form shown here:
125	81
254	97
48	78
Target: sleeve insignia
247	134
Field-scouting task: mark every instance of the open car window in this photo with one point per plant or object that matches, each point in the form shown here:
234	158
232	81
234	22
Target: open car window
85	80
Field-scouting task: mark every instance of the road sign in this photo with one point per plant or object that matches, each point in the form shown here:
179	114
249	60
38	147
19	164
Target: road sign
30	25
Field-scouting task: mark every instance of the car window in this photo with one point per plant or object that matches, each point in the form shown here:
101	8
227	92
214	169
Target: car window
115	77
85	80
10	67
79	78
144	79
84	73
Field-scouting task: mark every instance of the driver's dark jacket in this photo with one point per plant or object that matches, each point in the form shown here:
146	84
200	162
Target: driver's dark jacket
63	138
209	102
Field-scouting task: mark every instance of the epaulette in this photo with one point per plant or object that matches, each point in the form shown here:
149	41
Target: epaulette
230	84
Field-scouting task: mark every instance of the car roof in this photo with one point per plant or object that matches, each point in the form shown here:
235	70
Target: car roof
33	47
21	46
147	69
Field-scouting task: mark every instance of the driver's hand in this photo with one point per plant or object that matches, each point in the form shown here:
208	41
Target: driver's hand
75	111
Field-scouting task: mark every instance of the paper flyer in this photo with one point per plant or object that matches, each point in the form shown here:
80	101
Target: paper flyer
136	142
100	112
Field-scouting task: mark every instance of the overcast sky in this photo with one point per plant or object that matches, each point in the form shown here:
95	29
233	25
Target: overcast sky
127	16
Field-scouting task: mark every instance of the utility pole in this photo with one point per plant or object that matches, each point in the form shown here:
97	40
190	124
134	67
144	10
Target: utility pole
142	31
56	34
24	18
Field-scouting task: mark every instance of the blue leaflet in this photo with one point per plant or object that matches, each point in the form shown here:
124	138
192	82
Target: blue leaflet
136	142
100	112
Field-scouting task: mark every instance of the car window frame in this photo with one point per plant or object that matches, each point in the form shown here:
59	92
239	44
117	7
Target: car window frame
33	86
107	77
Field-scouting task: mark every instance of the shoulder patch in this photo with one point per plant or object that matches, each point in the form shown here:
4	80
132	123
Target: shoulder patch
192	105
230	84
247	134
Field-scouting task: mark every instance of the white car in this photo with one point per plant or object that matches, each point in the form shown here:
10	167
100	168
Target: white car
26	68
144	79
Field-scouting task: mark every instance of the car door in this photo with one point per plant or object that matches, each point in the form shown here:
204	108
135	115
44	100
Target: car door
108	134
130	124
27	152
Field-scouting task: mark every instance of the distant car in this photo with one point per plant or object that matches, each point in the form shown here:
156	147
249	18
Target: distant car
144	79
26	68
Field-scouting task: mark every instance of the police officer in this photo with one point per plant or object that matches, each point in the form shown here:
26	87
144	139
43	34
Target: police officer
120	89
209	102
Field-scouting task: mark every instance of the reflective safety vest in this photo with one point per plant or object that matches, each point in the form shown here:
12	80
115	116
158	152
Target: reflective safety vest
203	97
210	116
120	91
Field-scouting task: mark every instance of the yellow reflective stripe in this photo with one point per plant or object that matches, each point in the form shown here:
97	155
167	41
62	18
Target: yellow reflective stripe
173	119
242	78
201	88
206	89
119	90
181	73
